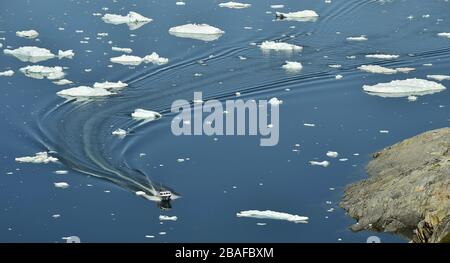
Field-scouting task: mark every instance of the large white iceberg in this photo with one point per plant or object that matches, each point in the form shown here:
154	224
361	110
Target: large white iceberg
279	46
110	85
301	16
235	5
147	115
203	32
84	92
133	20
404	88
30	54
40	157
27	34
268	214
41	72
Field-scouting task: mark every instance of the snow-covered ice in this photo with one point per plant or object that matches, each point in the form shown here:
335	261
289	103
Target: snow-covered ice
235	5
120	132
30	54
439	77
155	59
110	85
358	38
276	6
292	66
301	16
40	157
323	163
27	34
168	218
62	185
41	72
382	56
127	60
268	214
62	82
133	20
377	69
332	154
203	32
148	115
7	73
84	92
66	54
444	34
279	46
404	88
124	50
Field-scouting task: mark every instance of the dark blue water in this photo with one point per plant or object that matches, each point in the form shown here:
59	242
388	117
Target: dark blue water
224	175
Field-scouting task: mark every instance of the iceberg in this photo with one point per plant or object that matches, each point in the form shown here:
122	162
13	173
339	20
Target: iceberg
133	20
279	46
382	56
155	59
127	60
124	50
360	38
301	16
41	72
110	85
447	35
40	157
292	66
404	88
203	32
268	214
84	92
65	54
30	54
30	34
7	73
147	115
234	5
439	77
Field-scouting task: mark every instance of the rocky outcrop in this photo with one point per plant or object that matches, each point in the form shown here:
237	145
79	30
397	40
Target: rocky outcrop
408	190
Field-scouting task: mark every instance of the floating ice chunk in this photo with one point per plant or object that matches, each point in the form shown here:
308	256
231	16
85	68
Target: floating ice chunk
277	6
120	132
62	185
61	172
40	157
412	98
338	77
332	154
268	214
30	54
124	50
404	88
405	70
56	216
203	32
323	163
84	92
447	35
234	5
384	131
279	46
335	66
275	101
110	85
148	115
127	60
7	73
301	16
62	82
292	66
133	20
168	218
66	54
377	69
439	77
309	125
180	3
360	38
40	72
27	34
383	56
1	45
155	59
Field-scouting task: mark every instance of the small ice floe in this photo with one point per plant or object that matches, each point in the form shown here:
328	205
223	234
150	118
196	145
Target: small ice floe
359	38
343	159
332	154
203	32
275	101
301	16
110	85
384	131
120	133
234	5
55	216
30	34
127	60
382	56
66	54
276	6
405	70
428	65
268	214
412	98
180	3
62	82
133	20
124	50
447	35
439	77
149	236
292	66
146	115
40	157
154	58
323	163
377	69
335	66
167	218
309	125
338	77
41	72
61	172
404	88
62	185
84	92
279	46
7	73
30	54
